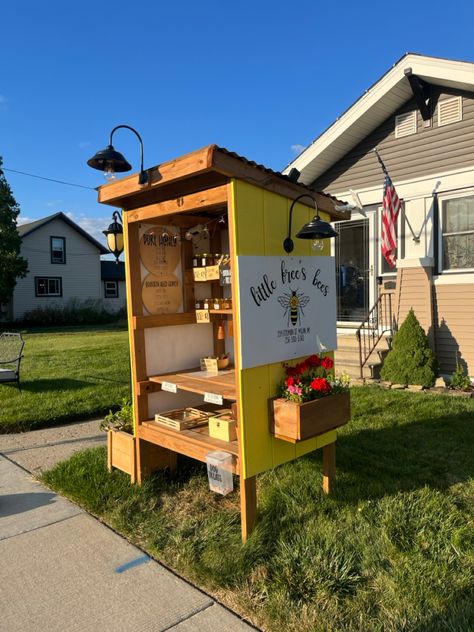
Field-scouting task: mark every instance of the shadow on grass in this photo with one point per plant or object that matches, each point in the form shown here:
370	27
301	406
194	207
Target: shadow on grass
384	461
55	384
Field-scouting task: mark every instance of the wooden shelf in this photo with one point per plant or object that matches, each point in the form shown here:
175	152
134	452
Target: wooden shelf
221	311
223	383
195	443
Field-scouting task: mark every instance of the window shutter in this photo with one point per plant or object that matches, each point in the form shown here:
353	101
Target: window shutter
405	124
449	111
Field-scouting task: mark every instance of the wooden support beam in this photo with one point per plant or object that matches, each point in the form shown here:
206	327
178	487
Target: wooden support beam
146	387
202	201
248	505
196	162
329	467
421	92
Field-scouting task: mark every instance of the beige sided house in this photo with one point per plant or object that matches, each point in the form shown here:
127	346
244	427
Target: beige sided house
64	263
420	117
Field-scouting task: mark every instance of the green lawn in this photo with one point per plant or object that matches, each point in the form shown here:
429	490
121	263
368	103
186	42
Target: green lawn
68	373
391	549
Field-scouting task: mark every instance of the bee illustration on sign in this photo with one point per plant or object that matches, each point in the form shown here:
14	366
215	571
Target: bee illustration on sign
293	305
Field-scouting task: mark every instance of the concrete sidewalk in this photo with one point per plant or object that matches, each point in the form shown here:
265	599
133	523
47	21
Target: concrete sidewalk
62	569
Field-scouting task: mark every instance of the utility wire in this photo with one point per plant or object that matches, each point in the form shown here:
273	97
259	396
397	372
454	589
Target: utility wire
32	175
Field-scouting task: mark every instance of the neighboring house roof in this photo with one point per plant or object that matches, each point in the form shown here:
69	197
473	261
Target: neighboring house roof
379	102
27	229
111	271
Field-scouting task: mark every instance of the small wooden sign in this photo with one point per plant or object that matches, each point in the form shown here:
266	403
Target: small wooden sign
213	398
199	274
203	316
169	387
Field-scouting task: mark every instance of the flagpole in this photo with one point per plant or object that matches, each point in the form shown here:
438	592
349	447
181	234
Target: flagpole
416	238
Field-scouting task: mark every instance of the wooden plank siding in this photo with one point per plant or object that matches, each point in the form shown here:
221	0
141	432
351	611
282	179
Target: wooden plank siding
430	150
414	290
454	307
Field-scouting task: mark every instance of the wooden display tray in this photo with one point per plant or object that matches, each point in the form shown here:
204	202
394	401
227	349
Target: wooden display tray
182	418
197	381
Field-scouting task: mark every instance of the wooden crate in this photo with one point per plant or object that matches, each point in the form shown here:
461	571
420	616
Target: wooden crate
121	452
295	422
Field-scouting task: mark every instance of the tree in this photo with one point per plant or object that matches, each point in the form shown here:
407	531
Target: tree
12	266
410	361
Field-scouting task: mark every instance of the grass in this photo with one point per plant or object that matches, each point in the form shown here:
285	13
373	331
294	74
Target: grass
391	549
68	373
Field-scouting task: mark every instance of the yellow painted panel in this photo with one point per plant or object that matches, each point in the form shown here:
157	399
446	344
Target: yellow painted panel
256	439
249	222
261	225
283	451
326	438
275	214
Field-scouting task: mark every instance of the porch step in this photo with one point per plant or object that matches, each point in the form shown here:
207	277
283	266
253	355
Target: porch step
346	357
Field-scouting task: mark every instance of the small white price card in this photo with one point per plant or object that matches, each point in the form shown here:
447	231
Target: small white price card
169	386
213	398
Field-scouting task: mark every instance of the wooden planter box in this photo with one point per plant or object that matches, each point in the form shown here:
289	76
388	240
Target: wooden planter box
295	422
121	452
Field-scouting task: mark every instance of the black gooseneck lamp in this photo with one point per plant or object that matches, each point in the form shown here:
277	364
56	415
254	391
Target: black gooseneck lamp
316	230
111	161
114	236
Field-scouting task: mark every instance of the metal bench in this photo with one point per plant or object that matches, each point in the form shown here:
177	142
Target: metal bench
11	348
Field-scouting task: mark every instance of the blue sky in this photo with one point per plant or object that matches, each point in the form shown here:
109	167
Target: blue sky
260	78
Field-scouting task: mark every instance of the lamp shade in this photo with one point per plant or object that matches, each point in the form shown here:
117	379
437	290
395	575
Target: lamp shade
109	157
317	229
114	236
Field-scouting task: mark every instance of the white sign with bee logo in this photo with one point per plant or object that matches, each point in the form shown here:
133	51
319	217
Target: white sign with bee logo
287	308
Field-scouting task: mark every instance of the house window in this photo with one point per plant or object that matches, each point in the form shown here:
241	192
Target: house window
457	233
58	250
48	286
111	289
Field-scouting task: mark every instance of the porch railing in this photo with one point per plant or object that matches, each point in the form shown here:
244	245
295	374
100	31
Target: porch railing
377	323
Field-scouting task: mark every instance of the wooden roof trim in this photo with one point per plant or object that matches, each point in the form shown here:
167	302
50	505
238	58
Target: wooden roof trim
194	163
213	159
234	167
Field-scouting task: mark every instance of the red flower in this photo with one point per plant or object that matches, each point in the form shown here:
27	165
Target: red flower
321	385
313	360
301	368
327	363
290	381
290	371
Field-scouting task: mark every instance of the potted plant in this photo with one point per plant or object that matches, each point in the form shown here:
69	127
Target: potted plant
312	400
120	439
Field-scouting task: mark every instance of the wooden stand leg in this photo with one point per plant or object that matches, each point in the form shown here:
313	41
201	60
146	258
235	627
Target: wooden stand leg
329	467
248	505
151	457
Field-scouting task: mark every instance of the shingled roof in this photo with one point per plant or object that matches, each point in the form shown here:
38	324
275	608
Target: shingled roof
27	229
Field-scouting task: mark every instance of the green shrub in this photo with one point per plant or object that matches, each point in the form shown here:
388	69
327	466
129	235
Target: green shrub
410	361
459	379
75	312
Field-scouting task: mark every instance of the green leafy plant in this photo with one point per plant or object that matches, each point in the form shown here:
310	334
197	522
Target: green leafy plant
460	381
121	419
410	361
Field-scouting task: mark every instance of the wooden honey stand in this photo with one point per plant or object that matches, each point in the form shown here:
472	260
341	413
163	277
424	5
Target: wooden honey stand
245	207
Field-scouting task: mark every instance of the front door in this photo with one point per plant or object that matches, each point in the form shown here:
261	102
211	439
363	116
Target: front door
354	250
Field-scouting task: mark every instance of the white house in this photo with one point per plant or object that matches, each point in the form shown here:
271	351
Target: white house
64	263
420	117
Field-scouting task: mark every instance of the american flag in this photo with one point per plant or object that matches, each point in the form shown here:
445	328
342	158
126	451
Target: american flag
391	209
